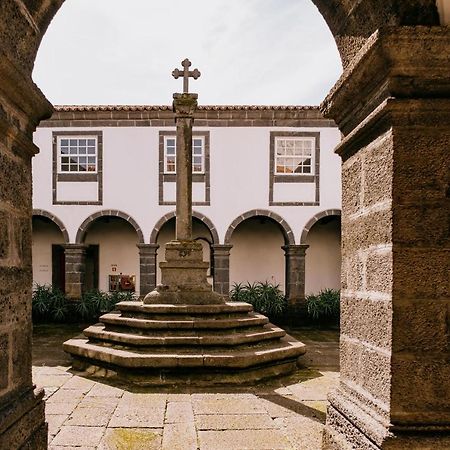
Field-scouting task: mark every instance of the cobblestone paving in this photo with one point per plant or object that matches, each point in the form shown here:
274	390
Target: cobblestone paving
91	414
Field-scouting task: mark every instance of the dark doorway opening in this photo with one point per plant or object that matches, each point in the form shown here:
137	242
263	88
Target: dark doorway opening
92	268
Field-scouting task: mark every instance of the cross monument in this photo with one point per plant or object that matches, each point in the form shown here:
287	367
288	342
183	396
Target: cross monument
184	273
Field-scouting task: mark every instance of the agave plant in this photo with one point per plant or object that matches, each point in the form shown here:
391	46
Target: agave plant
265	297
325	306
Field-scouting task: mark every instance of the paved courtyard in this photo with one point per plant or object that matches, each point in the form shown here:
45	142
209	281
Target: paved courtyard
88	414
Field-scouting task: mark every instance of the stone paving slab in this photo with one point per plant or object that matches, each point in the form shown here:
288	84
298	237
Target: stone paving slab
131	439
234	422
179	436
243	440
79	436
91	414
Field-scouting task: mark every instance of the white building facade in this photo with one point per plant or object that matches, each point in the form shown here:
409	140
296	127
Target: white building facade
266	197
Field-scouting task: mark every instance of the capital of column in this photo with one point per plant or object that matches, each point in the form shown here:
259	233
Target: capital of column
221	249
147	248
397	63
184	105
295	250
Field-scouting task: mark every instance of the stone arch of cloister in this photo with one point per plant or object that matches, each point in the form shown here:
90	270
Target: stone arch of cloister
55	220
201	217
82	230
284	226
315	219
392	106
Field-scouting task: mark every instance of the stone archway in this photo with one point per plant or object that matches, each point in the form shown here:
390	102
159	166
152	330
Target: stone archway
81	233
316	218
284	226
201	217
392	106
55	220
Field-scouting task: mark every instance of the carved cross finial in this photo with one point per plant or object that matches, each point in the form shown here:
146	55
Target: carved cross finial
186	73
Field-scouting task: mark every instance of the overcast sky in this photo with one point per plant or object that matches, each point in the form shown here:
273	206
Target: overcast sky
248	51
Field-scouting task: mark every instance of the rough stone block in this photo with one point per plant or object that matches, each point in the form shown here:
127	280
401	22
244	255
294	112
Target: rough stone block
379	271
421	327
366	367
378	170
4	235
351	186
422	273
367	320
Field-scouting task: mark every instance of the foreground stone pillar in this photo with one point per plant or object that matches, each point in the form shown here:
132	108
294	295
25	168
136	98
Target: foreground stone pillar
22	421
147	267
295	279
221	269
75	257
393	106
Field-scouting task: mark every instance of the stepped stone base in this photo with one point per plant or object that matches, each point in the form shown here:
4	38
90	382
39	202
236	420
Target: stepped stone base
168	344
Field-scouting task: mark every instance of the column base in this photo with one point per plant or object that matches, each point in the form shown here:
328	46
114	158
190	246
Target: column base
351	425
22	422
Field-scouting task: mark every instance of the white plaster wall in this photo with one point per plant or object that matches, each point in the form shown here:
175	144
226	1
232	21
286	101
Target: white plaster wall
44	235
239	176
257	254
117	247
323	257
167	233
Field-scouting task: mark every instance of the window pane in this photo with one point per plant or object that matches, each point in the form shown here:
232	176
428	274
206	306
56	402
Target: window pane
82	159
64	168
82	142
197	150
170	151
91	160
91	150
73	168
91	142
64	150
197	168
170	142
197	143
306	169
64	160
82	150
64	142
73	150
82	167
73	142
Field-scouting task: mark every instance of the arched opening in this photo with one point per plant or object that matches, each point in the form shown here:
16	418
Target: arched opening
200	232
112	256
48	241
256	254
323	257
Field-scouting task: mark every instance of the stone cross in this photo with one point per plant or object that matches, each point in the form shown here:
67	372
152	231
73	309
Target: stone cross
186	73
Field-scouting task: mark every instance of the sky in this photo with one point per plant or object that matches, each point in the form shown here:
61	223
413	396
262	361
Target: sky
248	52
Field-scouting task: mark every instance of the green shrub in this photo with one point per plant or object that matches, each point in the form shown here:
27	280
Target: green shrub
49	304
324	307
265	297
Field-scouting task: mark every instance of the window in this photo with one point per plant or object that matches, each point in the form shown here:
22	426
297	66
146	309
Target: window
77	154
198	154
294	156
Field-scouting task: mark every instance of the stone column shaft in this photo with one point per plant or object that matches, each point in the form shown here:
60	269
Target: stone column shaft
22	420
394	108
221	272
295	277
75	256
184	107
147	267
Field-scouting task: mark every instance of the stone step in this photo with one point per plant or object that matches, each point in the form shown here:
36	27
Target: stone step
194	323
225	308
268	332
283	349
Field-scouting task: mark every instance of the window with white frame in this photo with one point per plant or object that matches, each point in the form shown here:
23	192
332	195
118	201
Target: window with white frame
198	154
77	154
294	155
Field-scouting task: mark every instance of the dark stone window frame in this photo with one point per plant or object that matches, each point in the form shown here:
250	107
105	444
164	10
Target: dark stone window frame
300	178
78	177
196	177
